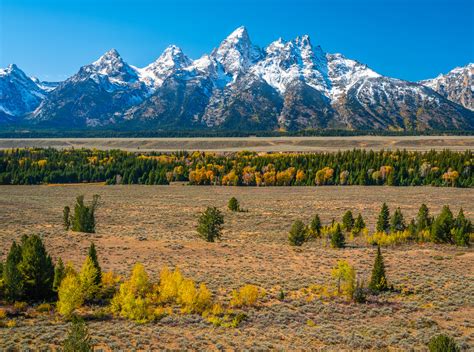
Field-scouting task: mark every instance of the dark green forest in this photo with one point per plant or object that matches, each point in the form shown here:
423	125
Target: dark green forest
355	167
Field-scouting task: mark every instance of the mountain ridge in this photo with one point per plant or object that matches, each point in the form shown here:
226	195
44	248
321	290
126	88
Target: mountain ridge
288	85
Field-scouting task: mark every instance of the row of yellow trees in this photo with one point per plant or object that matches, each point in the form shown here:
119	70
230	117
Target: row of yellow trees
142	300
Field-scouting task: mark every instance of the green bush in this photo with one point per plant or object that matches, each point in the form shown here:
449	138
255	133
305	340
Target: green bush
233	204
315	226
78	339
443	343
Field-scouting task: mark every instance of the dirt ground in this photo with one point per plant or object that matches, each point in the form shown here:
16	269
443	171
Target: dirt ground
260	144
155	225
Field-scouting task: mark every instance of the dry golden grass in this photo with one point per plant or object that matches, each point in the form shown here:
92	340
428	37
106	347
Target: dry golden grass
267	144
155	225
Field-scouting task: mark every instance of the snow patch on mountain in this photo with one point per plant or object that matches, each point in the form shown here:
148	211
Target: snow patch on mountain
457	85
297	59
344	73
19	94
171	60
236	53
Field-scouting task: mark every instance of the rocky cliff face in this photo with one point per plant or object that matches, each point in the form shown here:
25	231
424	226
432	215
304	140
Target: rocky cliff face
457	85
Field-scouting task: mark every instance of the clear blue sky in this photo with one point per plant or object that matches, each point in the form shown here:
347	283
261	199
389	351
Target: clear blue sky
408	39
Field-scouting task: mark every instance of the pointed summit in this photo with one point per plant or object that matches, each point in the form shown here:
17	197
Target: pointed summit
239	33
168	62
15	72
112	53
112	65
12	67
172	57
111	56
236	53
303	41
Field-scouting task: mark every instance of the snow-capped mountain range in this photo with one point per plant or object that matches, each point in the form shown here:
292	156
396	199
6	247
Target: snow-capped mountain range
289	85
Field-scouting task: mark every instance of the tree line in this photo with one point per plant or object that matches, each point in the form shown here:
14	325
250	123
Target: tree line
355	167
390	229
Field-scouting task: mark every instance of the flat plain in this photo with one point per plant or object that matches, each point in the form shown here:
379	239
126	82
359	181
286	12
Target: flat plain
259	144
155	225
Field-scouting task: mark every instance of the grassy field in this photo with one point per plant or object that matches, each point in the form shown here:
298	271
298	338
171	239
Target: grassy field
155	225
264	144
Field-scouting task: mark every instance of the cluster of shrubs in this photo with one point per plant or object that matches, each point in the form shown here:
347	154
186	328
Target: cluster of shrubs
83	218
29	275
390	229
348	285
334	233
444	228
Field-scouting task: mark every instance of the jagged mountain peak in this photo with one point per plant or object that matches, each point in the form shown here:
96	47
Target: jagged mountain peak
236	53
19	94
294	60
109	58
303	40
457	85
239	33
171	60
112	66
172	57
13	70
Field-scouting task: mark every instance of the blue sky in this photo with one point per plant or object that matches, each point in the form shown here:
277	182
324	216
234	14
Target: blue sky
406	39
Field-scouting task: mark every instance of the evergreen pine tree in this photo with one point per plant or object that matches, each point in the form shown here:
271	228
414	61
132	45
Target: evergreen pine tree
348	221
359	295
397	222
423	220
462	229
315	226
442	225
93	255
78	339
12	279
392	179
210	224
297	235
378	280
412	229
59	274
337	238
88	277
383	220
67	218
84	215
36	268
359	224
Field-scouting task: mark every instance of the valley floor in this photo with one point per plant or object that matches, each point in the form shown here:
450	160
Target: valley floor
259	144
155	225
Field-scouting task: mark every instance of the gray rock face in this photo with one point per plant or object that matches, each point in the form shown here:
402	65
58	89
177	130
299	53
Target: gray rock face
289	85
96	96
19	94
457	85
